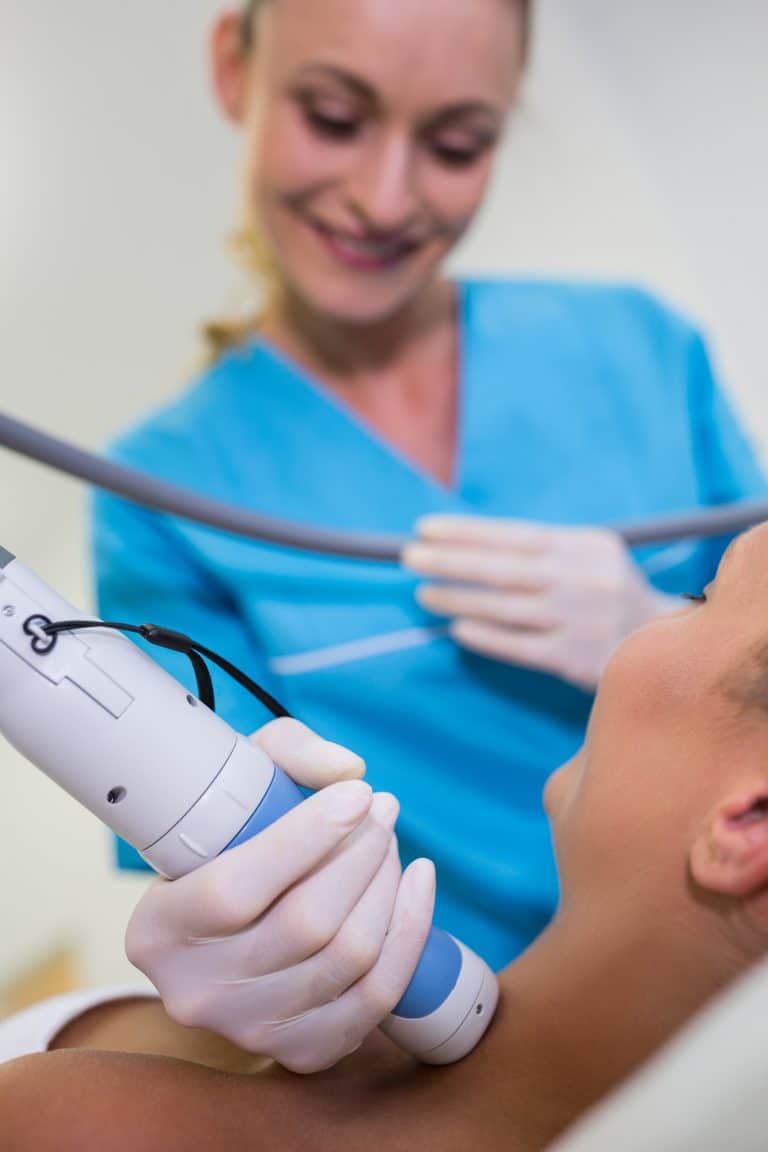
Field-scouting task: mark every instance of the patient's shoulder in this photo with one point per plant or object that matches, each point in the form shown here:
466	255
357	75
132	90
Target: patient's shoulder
45	1104
86	1101
90	1101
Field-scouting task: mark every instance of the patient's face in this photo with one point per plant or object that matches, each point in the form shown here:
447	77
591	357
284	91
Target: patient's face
678	716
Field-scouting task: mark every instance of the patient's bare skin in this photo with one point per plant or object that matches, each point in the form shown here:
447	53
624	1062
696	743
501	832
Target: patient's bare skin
554	1049
661	832
96	1100
378	1097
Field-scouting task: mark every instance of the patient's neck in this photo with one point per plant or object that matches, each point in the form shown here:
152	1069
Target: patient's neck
589	1001
581	1010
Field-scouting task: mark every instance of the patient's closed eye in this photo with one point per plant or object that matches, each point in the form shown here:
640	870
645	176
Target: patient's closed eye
696	598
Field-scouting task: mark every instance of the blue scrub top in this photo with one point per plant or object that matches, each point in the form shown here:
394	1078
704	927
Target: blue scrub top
579	405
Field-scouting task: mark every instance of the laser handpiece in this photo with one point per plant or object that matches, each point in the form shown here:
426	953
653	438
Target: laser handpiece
108	724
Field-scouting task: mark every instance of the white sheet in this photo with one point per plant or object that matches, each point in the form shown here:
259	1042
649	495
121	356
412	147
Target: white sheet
707	1091
33	1030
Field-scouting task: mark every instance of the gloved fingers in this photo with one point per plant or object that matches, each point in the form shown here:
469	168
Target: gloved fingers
231	892
242	1005
308	759
532	612
356	947
309	917
245	1008
486	532
514	646
471	565
321	1038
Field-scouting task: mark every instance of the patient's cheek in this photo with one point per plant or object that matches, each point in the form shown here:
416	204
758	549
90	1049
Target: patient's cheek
650	672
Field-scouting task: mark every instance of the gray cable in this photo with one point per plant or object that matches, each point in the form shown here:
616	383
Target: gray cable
163	497
723	520
727	519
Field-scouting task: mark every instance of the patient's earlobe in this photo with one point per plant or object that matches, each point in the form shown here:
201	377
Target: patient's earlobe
730	855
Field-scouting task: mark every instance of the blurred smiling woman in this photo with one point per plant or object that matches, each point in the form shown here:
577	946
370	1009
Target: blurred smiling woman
489	420
366	160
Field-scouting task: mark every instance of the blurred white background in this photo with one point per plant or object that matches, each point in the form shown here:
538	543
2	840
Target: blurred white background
640	153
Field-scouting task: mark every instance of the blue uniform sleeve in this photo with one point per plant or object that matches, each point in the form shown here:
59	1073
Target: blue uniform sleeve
726	462
145	573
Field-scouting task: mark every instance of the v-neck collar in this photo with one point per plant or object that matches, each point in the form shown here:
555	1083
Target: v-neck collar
451	494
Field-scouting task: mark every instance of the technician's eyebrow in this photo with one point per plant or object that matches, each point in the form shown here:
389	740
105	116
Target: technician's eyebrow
348	79
439	118
467	110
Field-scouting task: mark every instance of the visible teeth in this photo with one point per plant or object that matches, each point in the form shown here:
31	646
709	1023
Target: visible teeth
373	248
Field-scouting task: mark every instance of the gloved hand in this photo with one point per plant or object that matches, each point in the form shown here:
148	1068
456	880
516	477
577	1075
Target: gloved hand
559	600
298	943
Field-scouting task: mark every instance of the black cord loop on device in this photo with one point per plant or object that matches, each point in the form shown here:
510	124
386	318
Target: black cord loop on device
36	627
39	627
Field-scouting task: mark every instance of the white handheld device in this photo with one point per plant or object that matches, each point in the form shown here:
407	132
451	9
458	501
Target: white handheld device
160	768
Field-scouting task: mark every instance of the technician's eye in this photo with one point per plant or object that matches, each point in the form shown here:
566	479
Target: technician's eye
455	157
331	127
461	151
695	598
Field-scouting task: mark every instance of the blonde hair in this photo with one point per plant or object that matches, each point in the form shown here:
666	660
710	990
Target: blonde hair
255	260
248	246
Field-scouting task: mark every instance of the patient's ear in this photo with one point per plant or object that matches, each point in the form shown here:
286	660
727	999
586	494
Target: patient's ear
730	855
229	60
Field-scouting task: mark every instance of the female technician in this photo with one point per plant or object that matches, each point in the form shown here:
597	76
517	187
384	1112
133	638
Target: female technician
488	420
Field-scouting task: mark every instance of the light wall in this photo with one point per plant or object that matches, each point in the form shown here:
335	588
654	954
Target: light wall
639	153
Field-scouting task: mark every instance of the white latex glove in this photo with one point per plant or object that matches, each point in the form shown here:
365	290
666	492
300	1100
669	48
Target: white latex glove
298	943
559	600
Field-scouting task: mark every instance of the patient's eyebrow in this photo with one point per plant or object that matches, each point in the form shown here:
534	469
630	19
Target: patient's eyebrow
731	556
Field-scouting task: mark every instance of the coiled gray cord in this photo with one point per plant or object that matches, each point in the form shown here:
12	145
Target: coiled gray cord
726	519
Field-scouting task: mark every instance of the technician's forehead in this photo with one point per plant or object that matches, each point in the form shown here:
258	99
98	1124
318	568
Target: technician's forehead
450	50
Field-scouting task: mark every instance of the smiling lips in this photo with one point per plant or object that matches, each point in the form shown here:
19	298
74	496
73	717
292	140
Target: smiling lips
364	253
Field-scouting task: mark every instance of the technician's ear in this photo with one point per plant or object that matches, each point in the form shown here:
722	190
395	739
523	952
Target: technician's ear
229	58
730	856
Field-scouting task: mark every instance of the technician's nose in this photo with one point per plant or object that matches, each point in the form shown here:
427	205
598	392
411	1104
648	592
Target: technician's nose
381	193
